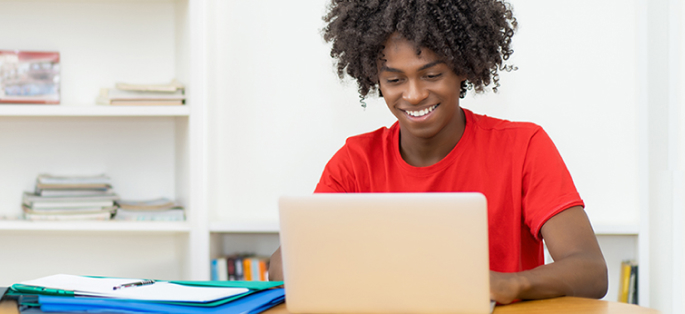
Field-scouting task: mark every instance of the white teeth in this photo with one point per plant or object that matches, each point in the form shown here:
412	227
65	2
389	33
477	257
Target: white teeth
421	112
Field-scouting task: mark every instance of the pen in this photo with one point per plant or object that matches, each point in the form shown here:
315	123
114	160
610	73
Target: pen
135	284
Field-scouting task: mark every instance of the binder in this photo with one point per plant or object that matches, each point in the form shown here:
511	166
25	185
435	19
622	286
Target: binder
127	288
252	286
251	304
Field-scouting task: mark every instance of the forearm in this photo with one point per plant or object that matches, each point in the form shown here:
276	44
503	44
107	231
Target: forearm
276	266
579	275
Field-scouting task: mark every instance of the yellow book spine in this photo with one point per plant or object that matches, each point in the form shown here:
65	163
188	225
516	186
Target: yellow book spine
624	284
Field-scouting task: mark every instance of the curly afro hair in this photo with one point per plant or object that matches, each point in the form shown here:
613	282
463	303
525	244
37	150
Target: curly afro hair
473	36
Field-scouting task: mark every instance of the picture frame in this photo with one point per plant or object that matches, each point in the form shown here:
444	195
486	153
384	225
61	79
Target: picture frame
29	77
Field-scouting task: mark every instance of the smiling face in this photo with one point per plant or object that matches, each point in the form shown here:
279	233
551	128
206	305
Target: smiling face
422	91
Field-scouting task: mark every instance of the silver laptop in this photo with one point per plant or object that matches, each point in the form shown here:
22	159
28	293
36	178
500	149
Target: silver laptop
385	253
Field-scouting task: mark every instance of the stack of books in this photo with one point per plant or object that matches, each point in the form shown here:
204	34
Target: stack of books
246	267
70	198
627	291
161	209
125	94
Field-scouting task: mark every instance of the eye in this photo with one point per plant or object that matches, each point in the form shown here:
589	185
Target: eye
433	76
392	80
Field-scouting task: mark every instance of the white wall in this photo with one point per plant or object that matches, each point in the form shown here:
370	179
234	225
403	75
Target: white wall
279	112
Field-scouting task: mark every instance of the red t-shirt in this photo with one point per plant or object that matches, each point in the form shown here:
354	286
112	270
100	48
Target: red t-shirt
514	164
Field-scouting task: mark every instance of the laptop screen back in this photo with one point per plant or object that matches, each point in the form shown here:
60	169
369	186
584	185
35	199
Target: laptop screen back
385	253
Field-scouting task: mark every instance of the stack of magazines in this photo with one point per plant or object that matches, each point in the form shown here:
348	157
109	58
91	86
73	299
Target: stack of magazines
70	198
125	94
161	209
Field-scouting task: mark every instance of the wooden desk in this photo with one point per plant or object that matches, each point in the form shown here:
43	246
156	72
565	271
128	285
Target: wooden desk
551	306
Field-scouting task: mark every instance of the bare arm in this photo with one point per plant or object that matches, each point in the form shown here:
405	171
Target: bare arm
276	266
579	268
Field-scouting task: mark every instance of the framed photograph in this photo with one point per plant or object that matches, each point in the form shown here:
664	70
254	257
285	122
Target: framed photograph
29	77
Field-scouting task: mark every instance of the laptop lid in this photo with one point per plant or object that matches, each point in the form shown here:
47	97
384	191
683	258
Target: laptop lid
385	253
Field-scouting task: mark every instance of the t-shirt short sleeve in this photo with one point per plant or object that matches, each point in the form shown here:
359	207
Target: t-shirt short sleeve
337	176
547	186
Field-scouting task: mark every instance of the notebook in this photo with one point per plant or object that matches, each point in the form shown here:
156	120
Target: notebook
385	253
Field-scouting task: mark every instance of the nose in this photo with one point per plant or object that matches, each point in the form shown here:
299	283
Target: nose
415	92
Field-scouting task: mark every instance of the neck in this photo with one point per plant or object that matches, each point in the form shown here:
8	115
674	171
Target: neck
423	152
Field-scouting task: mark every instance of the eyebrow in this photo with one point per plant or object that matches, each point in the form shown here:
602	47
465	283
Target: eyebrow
425	66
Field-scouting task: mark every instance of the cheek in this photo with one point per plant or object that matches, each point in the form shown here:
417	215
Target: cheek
390	94
449	90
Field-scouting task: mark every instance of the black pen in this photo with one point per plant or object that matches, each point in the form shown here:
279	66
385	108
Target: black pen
135	284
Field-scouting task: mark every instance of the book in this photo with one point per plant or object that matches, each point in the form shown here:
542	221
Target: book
29	77
230	264
46	181
31	198
173	86
238	262
632	288
70	204
64	186
74	192
627	291
74	216
173	214
139	98
140	102
222	268
67	211
67	180
161	203
213	270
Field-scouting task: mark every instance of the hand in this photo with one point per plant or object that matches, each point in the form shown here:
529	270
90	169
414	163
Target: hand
504	287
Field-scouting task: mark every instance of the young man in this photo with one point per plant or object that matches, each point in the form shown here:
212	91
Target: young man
422	57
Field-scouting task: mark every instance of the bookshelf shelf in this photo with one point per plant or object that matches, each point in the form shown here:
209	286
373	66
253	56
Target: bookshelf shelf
91	111
265	226
617	229
94	226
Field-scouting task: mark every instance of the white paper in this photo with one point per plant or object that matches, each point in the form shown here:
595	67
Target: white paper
158	291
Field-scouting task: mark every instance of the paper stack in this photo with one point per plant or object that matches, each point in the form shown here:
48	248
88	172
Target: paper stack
160	209
78	294
70	198
125	94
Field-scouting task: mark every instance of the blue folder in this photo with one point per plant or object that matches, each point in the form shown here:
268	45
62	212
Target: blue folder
251	304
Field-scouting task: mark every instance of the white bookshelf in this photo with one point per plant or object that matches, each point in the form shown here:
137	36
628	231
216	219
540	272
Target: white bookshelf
149	152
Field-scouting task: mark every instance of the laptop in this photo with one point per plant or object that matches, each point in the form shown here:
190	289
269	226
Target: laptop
385	253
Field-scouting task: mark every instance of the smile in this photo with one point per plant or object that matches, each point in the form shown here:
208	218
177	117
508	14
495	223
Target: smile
423	112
